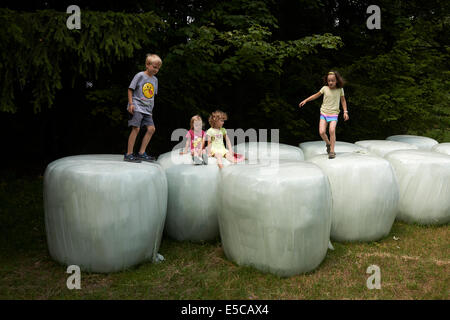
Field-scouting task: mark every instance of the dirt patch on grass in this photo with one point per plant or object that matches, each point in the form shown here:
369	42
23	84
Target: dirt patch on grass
404	257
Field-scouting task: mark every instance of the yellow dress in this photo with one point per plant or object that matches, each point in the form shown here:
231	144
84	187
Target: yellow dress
217	145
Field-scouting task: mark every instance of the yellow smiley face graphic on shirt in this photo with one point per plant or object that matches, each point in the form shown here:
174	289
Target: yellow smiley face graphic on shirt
148	90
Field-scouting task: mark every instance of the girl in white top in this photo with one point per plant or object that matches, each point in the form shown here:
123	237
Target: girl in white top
333	93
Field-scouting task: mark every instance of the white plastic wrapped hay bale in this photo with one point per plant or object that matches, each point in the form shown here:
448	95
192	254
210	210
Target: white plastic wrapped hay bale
365	196
383	147
172	158
424	183
193	200
313	148
275	216
442	148
254	151
102	213
423	143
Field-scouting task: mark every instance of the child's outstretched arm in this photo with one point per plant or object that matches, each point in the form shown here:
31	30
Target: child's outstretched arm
311	98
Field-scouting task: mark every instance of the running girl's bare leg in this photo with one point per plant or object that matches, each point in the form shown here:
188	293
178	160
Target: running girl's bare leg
323	131
332	131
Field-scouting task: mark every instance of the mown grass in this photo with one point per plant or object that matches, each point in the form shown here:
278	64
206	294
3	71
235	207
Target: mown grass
415	266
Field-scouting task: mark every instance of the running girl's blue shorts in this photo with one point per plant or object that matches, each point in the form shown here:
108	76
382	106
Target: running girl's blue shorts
329	117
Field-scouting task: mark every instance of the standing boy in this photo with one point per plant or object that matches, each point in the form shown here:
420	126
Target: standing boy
141	99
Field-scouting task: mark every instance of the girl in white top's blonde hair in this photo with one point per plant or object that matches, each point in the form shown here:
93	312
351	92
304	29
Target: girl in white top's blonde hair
333	94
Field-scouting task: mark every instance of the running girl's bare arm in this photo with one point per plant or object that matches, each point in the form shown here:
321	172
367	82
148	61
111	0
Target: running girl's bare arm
344	106
311	98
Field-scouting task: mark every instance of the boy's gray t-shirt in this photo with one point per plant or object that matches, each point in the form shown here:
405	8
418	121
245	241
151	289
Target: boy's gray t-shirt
144	90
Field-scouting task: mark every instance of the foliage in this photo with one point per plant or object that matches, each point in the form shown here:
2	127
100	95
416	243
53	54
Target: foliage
231	60
404	89
45	50
254	59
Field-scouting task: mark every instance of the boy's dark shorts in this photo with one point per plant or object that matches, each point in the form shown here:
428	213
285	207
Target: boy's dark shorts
138	119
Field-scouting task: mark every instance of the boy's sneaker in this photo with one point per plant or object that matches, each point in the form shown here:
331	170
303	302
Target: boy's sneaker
131	158
145	157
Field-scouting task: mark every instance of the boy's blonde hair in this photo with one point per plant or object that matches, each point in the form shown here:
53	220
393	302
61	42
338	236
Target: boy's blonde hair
216	116
195	118
151	57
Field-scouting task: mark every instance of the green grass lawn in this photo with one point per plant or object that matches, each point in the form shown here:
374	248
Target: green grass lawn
416	266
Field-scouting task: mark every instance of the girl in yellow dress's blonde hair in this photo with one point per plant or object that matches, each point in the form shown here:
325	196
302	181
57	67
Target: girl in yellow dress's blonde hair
215	136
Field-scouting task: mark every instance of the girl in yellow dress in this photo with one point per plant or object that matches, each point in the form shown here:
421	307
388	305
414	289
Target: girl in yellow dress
215	136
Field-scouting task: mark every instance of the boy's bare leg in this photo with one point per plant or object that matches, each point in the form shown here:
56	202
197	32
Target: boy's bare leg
323	131
132	139
332	131
146	139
